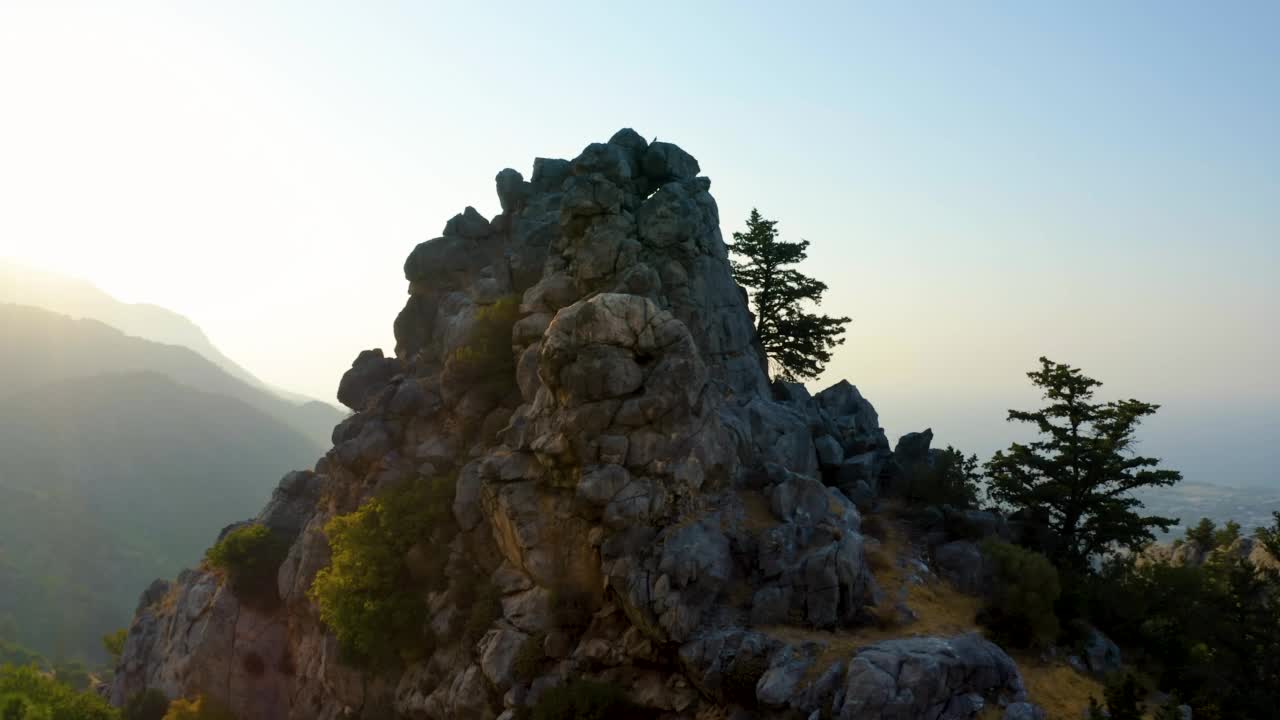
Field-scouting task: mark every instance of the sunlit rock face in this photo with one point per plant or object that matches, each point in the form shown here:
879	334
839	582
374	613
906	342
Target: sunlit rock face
630	453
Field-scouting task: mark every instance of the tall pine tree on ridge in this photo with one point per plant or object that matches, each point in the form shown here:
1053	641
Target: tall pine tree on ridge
798	343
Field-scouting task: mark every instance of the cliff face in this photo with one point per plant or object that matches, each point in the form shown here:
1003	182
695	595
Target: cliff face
633	456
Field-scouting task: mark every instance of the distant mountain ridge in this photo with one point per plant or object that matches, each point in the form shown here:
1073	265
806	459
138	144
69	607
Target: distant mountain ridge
41	346
22	285
108	481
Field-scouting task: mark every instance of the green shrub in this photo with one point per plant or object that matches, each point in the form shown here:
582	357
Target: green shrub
113	643
1226	534
952	479
1124	698
249	557
486	351
1202	533
585	700
1026	588
1270	536
367	595
40	697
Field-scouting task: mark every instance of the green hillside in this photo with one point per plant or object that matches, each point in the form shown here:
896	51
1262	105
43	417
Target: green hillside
109	481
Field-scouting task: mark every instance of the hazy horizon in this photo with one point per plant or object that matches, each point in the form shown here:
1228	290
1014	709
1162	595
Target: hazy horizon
1099	187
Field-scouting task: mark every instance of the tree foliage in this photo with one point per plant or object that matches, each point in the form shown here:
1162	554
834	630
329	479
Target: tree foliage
1020	611
1202	533
1209	632
38	696
113	643
249	557
1082	471
368	595
798	342
950	479
1270	536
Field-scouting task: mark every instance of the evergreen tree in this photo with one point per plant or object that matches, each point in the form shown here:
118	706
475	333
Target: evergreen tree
798	343
1270	536
1203	532
1081	472
1227	534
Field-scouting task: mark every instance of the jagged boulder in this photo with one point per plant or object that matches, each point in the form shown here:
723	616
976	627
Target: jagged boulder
930	678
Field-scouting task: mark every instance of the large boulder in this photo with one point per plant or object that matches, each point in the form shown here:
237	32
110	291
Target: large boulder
369	374
927	677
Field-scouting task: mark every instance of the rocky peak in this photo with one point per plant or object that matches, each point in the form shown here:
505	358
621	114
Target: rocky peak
586	368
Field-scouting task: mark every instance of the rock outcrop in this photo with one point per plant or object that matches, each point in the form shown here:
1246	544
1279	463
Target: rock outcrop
623	447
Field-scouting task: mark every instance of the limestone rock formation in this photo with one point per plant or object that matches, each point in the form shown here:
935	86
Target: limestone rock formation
621	445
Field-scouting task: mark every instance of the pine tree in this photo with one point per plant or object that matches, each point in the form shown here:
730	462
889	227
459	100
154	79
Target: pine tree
1081	472
798	343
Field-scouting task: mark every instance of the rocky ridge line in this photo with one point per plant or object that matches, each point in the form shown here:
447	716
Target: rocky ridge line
638	457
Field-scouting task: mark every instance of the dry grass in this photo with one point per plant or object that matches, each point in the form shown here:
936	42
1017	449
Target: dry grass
942	610
1062	692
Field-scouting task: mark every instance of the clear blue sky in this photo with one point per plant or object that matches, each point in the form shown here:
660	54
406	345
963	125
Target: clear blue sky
982	183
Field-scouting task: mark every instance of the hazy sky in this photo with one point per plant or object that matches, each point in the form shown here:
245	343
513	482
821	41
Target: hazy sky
982	183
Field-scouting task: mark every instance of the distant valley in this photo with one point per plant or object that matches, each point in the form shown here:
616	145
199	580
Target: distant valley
121	457
1190	501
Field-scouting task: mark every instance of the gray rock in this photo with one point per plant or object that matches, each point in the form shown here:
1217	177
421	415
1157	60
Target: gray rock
368	375
498	650
292	503
664	162
1023	711
468	224
963	565
632	142
778	685
512	190
549	174
770	606
830	454
921	677
913	448
610	160
1101	654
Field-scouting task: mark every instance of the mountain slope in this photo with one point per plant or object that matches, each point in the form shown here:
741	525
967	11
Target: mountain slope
20	285
41	347
110	481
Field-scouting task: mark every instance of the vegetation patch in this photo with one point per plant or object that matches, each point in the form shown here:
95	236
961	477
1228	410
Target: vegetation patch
1062	692
486	351
368	596
951	479
1021	610
249	558
34	693
201	708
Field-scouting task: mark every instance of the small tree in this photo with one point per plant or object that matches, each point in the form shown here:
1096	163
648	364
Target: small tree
1227	534
798	343
1081	473
1203	532
950	479
1270	537
113	643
